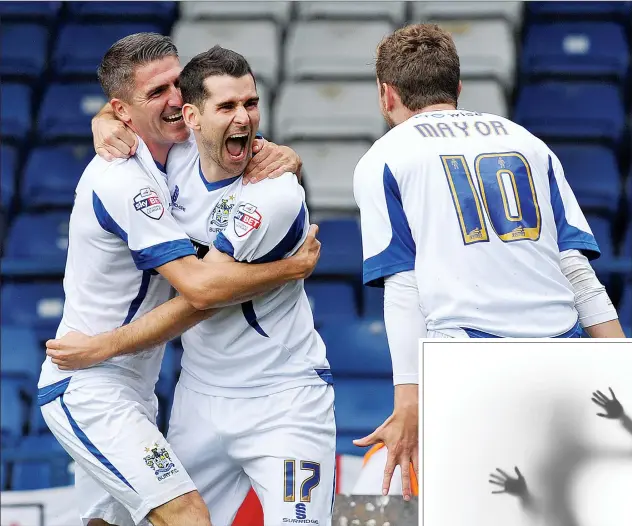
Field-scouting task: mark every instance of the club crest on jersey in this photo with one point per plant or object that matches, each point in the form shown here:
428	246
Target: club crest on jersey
148	202
160	462
220	214
246	219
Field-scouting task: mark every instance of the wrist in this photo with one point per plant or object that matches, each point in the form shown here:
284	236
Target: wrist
105	345
406	397
295	269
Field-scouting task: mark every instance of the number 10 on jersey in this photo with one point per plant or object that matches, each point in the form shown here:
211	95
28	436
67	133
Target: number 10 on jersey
506	191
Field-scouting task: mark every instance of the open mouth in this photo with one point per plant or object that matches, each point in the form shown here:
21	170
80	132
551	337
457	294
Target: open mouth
175	118
236	146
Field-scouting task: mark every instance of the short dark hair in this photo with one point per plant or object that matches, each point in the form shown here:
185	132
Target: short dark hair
421	62
117	68
215	61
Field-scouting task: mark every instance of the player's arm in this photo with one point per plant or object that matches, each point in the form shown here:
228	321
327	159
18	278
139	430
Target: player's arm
113	139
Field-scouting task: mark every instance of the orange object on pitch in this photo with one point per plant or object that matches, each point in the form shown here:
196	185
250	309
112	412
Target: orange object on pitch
414	485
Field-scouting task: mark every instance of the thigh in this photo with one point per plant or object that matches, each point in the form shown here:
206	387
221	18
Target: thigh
109	431
197	442
290	455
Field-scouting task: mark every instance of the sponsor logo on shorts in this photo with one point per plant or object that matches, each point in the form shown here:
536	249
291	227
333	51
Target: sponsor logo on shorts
148	202
160	462
247	219
301	516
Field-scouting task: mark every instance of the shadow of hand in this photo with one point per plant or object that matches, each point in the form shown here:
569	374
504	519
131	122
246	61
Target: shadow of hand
513	486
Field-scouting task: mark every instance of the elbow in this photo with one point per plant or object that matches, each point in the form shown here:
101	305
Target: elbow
207	297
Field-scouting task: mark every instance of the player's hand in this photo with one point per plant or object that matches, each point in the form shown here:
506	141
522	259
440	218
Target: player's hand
271	161
613	408
513	486
112	138
77	351
307	256
400	434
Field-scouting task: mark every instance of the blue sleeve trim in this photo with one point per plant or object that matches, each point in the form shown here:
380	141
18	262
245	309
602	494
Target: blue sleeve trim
399	255
569	237
91	447
289	241
105	219
222	244
156	255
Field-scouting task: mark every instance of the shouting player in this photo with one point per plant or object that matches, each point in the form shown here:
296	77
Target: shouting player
469	225
254	402
125	253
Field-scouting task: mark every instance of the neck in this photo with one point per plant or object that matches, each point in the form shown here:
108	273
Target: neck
406	114
159	152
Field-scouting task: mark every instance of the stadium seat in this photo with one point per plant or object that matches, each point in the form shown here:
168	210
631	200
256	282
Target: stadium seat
362	404
63	166
585	10
13	409
357	349
341	250
576	49
4	478
328	172
602	230
486	49
163	11
278	11
37	424
331	301
373	302
38	306
67	110
21	354
257	41
625	306
15	108
483	96
8	166
72	59
336	110
558	110
313	49
392	11
593	175
44	464
29	11
22	50
510	11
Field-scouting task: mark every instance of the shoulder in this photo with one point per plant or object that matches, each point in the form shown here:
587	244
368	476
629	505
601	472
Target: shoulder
122	177
280	190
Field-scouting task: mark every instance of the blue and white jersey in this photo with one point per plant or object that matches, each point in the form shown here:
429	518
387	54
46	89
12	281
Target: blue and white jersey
481	210
121	228
262	346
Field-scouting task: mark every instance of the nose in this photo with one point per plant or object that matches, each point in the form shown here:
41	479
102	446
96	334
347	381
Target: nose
241	116
175	98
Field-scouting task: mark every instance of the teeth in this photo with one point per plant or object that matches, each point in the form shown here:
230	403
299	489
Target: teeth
238	136
173	118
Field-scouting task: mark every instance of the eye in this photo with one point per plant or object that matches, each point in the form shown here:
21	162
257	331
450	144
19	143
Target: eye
252	103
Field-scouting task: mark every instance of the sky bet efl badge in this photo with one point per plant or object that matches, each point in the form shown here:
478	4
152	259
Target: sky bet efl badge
247	219
148	202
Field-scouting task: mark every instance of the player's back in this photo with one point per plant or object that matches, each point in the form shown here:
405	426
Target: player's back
484	207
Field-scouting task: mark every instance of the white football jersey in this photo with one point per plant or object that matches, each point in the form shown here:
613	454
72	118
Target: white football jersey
121	228
261	346
480	209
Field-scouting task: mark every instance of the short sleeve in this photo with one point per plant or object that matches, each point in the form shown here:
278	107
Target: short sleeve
268	223
573	231
132	207
387	244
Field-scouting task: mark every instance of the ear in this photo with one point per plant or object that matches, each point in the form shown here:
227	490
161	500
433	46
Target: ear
391	97
191	116
458	91
120	110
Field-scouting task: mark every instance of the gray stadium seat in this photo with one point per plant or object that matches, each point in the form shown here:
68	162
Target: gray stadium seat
328	170
313	49
510	11
265	110
486	49
485	96
278	11
393	11
335	110
257	41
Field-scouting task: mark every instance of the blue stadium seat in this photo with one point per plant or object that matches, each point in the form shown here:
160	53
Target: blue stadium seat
37	243
47	466
72	59
67	110
38	306
362	404
373	302
567	111
23	50
331	301
37	424
583	9
8	166
20	353
341	251
576	48
165	11
593	174
357	349
15	108
29	10
63	166
625	306
3	475
602	230
13	409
